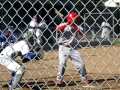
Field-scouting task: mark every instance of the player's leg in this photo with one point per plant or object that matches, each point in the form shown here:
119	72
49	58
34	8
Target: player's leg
62	64
14	67
17	77
80	65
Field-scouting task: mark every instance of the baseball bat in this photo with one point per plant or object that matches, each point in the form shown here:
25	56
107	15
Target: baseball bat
58	13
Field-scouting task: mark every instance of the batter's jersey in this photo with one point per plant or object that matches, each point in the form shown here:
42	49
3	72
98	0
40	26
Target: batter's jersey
20	46
70	36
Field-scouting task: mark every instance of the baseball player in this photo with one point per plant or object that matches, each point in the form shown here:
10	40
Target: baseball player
2	39
7	37
106	28
34	34
19	48
68	43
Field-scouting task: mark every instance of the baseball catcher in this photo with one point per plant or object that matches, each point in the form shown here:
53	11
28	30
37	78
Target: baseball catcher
68	41
8	53
19	48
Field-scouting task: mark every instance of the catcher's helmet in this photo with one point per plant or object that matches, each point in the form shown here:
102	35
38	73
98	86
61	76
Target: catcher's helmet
71	17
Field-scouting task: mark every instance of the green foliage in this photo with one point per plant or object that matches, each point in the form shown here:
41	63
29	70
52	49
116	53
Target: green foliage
116	42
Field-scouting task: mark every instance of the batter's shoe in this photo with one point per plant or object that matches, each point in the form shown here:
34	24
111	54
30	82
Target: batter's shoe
86	81
60	83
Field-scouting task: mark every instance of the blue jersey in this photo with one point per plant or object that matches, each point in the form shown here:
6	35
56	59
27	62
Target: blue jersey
30	55
5	41
2	37
12	39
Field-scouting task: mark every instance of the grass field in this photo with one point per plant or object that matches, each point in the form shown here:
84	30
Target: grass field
102	64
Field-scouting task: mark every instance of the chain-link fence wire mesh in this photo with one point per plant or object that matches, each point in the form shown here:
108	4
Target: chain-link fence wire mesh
19	13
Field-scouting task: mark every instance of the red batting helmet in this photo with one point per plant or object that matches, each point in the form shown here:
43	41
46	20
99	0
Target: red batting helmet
71	17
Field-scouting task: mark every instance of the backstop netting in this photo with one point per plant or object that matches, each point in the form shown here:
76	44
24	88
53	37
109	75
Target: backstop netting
99	48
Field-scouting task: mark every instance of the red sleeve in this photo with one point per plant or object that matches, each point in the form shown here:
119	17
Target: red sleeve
61	27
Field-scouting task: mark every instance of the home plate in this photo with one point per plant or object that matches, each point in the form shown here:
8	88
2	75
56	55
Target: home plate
89	86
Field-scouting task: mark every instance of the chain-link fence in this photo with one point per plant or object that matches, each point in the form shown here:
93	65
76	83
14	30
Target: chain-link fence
36	22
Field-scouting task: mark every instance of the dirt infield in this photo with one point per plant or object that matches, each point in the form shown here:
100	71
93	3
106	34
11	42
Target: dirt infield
102	64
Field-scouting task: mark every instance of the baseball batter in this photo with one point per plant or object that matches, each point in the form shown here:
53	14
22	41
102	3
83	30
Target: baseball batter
68	44
19	48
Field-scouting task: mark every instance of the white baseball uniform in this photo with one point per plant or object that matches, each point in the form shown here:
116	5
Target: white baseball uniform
38	33
7	60
33	23
35	29
68	43
105	34
5	55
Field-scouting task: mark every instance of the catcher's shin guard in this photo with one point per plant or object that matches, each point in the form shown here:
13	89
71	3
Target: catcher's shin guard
16	78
